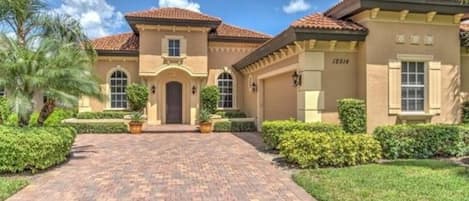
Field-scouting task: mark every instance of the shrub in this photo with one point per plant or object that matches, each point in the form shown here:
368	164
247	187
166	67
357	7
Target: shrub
102	115
12	120
335	149
5	110
422	140
137	95
58	115
231	114
234	126
209	97
272	130
99	127
465	112
352	115
35	148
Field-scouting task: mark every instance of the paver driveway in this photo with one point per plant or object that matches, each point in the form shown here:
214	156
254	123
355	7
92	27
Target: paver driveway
164	167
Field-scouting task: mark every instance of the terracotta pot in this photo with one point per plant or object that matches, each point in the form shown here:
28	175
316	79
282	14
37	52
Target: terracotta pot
205	127
135	127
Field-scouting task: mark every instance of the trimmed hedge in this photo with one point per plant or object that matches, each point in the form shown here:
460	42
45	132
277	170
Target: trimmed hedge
272	130
5	110
231	114
334	149
34	148
352	115
423	140
465	112
99	127
234	126
137	94
102	115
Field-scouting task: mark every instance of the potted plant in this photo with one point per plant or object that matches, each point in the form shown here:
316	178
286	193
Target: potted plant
204	122
136	123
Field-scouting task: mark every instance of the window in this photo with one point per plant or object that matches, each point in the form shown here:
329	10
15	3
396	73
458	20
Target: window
174	49
118	84
225	85
413	86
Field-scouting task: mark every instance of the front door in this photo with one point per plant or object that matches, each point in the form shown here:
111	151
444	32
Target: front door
173	103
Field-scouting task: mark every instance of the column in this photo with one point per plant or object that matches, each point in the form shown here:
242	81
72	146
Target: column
310	97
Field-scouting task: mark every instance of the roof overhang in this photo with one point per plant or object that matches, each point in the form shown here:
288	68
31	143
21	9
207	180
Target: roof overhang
133	21
233	39
291	35
117	52
350	7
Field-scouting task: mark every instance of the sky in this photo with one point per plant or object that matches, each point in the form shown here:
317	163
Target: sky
106	17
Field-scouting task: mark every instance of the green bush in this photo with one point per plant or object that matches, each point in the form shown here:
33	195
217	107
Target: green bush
234	126
465	112
33	148
334	149
231	114
137	94
102	115
422	140
272	130
352	115
58	115
99	127
209	97
12	120
5	110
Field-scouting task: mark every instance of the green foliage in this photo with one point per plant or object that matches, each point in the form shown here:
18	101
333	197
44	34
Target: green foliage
204	116
422	140
101	128
272	130
35	148
102	115
9	186
465	112
352	115
402	180
12	120
209	97
231	114
234	126
136	117
33	119
137	94
334	149
5	110
58	116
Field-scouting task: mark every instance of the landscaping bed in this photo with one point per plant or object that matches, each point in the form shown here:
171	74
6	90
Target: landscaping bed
100	127
9	186
410	180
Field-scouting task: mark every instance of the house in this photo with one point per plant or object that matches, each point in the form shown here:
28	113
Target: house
404	58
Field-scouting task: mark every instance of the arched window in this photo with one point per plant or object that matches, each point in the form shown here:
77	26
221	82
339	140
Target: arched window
118	83
225	85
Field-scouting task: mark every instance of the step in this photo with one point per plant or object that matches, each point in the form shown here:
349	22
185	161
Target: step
171	129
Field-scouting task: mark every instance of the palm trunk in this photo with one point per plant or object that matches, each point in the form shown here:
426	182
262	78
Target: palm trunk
46	110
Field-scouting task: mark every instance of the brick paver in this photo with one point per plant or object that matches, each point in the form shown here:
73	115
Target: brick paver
175	167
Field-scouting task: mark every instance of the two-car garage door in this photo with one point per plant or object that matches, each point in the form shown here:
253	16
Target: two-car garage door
279	97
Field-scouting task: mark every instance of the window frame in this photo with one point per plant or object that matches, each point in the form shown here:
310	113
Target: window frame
111	93
220	104
424	86
174	49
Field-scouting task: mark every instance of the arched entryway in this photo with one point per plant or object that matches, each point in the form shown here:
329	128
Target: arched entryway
173	102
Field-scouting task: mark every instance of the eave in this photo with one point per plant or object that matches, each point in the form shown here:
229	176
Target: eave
133	21
117	52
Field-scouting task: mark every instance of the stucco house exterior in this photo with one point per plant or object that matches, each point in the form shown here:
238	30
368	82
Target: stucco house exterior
404	58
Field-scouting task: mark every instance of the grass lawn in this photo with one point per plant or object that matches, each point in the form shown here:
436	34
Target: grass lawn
405	180
9	187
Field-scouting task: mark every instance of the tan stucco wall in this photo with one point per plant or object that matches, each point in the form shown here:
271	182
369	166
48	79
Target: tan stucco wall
103	70
279	98
381	47
338	81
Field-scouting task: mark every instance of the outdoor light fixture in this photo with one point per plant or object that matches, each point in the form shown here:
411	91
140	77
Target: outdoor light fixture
296	79
253	87
194	90
153	89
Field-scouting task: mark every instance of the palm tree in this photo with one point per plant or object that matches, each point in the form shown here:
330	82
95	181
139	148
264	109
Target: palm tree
49	54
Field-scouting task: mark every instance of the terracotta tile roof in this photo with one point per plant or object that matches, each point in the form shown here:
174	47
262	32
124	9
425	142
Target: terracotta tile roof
319	21
226	30
173	14
464	27
122	42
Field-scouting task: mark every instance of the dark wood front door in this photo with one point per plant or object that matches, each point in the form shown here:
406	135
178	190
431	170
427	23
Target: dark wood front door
173	103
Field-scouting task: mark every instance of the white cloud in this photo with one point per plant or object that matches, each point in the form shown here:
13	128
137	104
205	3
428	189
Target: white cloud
187	4
97	17
296	6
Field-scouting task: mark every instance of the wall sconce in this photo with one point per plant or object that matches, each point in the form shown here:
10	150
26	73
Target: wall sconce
194	90
253	87
153	89
296	79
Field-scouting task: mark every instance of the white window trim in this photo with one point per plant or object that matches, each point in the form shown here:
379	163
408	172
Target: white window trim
182	50
178	48
235	88
425	90
108	87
